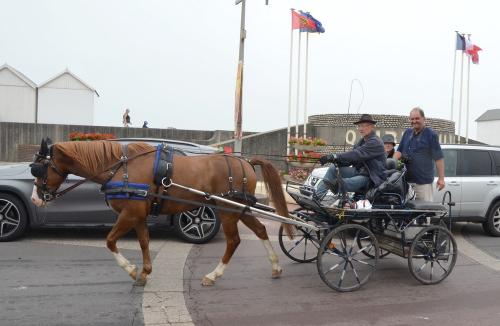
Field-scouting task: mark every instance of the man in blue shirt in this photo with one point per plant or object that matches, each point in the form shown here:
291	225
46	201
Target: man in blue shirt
362	167
420	147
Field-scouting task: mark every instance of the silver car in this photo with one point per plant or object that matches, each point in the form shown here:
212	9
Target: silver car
472	175
85	206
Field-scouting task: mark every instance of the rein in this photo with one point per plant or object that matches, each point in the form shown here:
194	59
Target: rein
115	166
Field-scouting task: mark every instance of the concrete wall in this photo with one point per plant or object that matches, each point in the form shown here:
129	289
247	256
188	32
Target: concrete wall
487	132
13	134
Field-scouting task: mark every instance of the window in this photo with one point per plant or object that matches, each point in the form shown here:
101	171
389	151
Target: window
476	163
450	162
496	156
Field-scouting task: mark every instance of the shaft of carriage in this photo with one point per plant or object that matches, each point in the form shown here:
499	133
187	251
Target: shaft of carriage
294	220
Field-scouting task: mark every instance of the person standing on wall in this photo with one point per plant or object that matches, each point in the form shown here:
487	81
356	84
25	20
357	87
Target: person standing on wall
126	118
419	147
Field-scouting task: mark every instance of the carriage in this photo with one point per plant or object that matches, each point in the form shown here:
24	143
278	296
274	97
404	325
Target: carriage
346	241
351	238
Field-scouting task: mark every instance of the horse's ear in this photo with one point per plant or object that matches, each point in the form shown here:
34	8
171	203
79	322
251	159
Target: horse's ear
44	148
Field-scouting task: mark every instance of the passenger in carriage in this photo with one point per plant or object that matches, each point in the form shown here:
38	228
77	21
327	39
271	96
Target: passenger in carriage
389	145
420	147
361	168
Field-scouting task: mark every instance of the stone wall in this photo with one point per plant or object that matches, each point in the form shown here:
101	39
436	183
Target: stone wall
339	129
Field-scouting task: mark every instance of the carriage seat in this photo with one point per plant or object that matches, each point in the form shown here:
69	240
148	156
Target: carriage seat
425	205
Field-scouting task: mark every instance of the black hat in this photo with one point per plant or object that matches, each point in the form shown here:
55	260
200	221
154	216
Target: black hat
365	118
388	138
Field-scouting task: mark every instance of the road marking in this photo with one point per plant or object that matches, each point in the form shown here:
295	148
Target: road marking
163	299
473	252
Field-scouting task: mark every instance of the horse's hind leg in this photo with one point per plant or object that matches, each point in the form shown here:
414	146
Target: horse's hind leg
230	227
124	224
260	230
143	235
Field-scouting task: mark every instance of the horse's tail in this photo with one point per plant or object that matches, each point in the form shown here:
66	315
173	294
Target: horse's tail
272	181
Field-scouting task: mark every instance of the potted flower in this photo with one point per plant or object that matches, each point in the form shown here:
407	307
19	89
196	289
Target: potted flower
76	136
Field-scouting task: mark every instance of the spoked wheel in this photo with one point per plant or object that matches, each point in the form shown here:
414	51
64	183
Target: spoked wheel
303	248
433	254
341	264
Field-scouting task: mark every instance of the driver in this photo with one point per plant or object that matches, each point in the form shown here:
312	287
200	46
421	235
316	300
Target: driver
367	159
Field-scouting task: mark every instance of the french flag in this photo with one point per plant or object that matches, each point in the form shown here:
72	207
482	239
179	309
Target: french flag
472	50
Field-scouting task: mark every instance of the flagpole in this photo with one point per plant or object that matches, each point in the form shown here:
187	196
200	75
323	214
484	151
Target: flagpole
298	91
305	84
290	89
453	79
460	97
467	106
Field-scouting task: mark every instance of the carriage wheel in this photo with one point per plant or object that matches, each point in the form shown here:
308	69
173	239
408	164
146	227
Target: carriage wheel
303	248
433	254
341	264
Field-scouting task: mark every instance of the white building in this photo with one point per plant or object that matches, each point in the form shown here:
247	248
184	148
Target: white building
66	99
17	96
488	125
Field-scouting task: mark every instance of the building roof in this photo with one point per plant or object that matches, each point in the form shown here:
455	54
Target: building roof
19	75
489	115
67	71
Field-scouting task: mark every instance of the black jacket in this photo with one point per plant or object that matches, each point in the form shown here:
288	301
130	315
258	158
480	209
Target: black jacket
368	153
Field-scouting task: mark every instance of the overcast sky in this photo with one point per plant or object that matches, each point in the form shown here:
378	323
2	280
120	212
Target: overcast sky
173	63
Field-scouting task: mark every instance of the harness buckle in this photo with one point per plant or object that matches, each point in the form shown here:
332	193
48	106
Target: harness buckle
231	179
123	158
141	192
244	180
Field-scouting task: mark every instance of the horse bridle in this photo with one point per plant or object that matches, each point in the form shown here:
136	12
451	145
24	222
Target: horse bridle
42	163
39	169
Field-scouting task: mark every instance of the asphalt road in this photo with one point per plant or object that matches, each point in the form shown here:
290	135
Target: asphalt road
246	295
57	284
63	277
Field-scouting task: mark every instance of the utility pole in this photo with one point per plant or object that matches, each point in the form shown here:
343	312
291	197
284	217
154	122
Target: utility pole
238	105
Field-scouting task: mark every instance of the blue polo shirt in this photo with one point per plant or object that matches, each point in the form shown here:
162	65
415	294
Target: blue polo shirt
422	149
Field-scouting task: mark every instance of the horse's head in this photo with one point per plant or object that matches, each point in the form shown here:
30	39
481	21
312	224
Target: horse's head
48	174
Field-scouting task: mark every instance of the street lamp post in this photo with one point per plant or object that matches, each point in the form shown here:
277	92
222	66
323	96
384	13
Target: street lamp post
238	105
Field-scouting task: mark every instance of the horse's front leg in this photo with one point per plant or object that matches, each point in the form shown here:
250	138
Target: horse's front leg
230	227
147	267
122	226
260	231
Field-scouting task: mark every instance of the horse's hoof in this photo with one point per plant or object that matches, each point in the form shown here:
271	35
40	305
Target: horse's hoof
133	273
207	282
277	273
141	282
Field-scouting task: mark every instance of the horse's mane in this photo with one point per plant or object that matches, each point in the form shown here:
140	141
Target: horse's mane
95	156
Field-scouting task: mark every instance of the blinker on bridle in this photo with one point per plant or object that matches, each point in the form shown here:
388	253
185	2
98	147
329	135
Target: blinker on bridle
39	169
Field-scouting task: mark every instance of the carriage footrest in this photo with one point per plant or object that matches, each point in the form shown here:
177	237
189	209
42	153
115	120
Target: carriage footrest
391	245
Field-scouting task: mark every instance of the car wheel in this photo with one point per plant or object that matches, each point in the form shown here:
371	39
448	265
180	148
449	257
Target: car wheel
199	225
492	223
13	218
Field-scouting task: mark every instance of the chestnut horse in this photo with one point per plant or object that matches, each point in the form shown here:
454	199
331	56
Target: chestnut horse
208	173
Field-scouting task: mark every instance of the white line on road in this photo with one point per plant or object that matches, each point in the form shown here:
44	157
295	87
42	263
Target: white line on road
474	253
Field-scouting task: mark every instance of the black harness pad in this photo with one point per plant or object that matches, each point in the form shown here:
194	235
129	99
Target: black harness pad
163	166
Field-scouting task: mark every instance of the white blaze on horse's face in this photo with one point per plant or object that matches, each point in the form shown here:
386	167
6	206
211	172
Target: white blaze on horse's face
35	199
